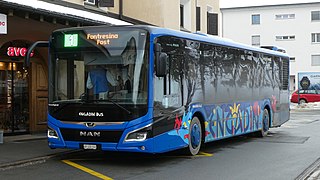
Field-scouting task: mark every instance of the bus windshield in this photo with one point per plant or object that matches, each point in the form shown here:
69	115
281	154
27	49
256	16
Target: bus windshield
99	66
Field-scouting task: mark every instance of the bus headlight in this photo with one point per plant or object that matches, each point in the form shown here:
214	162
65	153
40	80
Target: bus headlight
52	133
139	134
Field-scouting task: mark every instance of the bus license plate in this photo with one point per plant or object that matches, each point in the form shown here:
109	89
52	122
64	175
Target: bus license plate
90	146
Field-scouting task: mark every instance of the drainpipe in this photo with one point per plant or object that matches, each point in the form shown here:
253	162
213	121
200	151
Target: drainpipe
121	9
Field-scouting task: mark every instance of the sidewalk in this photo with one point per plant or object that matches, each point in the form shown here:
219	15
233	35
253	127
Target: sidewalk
305	106
22	149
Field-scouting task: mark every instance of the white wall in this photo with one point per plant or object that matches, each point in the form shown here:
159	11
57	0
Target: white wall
237	25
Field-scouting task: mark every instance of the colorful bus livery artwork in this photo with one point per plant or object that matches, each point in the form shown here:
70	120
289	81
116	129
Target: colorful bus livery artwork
153	90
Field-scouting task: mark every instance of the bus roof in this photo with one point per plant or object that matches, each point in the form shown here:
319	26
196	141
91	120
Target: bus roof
158	31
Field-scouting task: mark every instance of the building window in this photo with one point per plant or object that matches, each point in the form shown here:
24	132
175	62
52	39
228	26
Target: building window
212	23
285	16
255	40
186	15
315	60
292	59
315	15
181	15
93	2
285	38
198	18
256	19
106	3
315	37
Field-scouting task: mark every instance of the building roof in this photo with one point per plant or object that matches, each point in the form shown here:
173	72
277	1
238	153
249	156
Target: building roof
59	10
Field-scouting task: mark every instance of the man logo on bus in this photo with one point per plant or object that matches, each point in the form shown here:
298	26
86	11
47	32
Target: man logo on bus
90	124
89	134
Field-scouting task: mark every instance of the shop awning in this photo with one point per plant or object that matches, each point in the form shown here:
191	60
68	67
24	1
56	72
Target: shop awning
59	10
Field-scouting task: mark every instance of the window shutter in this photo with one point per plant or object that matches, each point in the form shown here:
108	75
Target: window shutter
106	3
212	24
198	19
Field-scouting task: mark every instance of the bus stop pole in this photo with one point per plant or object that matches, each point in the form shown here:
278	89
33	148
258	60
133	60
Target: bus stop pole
298	96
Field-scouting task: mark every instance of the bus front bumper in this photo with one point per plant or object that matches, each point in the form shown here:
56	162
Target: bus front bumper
126	142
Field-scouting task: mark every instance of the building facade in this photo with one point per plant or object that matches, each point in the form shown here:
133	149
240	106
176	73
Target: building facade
185	15
24	91
294	27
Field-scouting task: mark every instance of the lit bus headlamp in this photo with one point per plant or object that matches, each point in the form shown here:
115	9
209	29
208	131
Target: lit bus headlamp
52	133
139	134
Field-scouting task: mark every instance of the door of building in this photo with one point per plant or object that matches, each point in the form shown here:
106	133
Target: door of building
38	95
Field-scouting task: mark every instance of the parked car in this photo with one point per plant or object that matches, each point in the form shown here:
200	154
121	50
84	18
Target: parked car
306	96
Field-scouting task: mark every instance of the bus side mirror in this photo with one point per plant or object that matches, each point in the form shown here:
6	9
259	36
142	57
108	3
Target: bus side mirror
31	48
161	61
162	65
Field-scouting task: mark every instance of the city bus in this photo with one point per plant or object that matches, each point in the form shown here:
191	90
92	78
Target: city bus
153	90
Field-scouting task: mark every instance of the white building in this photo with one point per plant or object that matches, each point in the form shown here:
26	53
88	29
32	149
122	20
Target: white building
294	27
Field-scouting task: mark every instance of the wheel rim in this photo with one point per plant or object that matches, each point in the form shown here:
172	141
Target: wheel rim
302	101
195	136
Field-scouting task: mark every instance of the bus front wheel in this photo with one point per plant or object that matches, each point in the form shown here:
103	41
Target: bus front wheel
195	136
265	124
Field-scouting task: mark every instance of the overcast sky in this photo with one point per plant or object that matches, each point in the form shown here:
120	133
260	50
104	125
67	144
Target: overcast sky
241	3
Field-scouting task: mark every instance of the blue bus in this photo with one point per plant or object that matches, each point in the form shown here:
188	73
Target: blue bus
153	90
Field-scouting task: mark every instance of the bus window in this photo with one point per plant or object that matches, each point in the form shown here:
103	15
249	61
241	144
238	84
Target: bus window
244	77
167	90
66	88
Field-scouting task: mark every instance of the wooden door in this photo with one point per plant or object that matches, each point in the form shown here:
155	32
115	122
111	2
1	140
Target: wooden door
39	96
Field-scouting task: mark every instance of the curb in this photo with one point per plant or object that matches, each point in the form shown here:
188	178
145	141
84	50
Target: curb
7	139
310	173
31	161
303	109
23	163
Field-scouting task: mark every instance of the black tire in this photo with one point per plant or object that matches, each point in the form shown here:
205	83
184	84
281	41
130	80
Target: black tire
195	136
265	124
302	101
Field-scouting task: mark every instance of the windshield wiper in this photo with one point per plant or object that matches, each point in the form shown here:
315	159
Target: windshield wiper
64	103
84	99
121	107
113	102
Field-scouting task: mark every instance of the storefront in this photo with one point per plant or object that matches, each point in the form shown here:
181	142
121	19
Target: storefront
14	88
24	91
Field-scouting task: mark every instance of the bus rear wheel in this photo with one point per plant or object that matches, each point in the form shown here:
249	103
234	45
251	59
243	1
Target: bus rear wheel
195	136
265	124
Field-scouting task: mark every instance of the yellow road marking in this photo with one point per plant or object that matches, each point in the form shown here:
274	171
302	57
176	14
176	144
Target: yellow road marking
204	154
87	170
200	154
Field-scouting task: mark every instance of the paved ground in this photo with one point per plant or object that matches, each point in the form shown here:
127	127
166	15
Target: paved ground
24	149
21	149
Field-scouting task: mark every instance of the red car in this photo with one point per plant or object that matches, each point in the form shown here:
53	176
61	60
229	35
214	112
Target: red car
306	96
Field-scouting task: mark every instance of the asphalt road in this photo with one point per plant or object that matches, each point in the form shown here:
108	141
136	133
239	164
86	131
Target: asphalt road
289	152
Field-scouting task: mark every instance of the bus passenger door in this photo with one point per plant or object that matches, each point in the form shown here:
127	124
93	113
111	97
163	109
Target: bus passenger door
168	109
280	99
275	97
284	92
